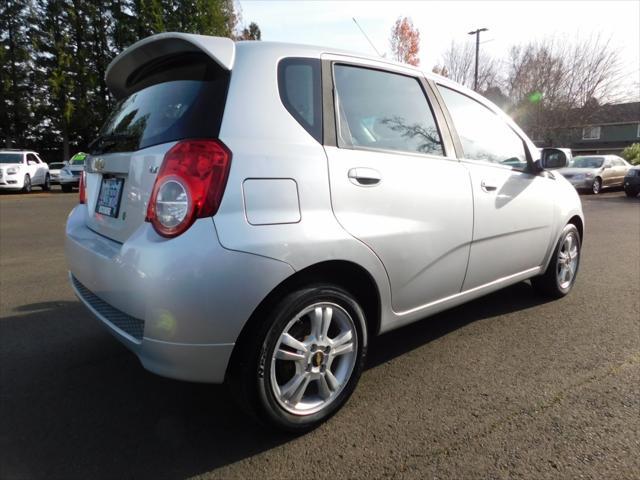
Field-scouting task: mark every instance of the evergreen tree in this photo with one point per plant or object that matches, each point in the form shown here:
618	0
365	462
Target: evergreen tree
54	55
15	71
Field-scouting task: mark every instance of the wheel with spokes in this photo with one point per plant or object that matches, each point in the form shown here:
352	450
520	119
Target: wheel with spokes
597	186
561	273
26	186
308	357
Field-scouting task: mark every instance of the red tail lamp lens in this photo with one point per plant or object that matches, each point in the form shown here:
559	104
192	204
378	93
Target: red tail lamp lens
82	188
189	185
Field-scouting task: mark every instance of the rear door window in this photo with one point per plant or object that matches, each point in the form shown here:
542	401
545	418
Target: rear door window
383	110
300	92
175	99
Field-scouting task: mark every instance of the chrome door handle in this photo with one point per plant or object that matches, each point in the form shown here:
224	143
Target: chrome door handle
487	187
364	177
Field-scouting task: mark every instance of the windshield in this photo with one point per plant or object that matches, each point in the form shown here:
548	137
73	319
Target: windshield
56	165
78	159
10	157
587	162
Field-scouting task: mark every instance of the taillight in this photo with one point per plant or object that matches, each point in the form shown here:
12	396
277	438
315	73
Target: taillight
189	185
82	189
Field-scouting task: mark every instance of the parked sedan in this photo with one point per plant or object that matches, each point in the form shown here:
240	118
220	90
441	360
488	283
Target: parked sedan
54	171
70	174
593	173
359	195
632	181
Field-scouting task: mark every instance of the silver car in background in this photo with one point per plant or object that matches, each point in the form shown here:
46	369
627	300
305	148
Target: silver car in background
255	212
54	171
595	172
71	173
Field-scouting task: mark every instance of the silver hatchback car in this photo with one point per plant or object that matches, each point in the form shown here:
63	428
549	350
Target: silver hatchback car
255	212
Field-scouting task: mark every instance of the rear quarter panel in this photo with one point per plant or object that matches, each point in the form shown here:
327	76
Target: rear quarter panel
267	143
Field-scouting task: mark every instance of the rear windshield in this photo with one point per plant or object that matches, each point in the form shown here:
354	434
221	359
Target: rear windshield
174	108
10	157
78	159
56	165
587	162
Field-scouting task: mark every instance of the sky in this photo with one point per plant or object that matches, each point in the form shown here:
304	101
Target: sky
330	23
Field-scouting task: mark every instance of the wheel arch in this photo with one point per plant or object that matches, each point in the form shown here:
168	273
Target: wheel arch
577	221
348	275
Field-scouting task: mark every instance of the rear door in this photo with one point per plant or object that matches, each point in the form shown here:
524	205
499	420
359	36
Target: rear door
620	168
609	175
395	182
513	208
173	98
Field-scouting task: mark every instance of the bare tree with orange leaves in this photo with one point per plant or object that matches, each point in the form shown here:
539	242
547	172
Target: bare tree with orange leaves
405	41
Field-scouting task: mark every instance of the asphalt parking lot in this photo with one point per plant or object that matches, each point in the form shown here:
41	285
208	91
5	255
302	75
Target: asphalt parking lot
508	386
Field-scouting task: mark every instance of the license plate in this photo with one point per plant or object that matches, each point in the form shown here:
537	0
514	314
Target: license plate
109	197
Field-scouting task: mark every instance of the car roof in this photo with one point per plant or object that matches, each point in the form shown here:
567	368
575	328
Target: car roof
284	49
16	150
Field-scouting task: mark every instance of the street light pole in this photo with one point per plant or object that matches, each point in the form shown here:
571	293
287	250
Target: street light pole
477	34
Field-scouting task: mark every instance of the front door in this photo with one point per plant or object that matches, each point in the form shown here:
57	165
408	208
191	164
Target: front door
513	208
393	186
35	169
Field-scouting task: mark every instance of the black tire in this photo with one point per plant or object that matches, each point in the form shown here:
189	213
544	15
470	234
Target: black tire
26	188
46	186
66	188
596	188
631	193
251	375
548	283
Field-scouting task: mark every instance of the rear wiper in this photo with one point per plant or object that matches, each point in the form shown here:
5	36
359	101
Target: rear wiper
109	140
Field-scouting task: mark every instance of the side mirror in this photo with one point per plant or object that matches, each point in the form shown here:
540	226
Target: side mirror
607	166
552	158
30	162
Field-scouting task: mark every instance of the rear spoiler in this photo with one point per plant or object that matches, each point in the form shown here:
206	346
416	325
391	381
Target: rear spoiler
221	50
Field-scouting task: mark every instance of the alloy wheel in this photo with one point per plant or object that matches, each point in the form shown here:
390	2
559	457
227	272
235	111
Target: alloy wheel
567	261
314	358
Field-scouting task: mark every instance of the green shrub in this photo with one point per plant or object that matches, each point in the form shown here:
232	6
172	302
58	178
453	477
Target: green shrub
632	154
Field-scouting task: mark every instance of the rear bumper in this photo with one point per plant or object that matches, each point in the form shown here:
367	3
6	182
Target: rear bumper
74	181
189	295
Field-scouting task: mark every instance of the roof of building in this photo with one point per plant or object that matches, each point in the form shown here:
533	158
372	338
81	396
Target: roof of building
616	113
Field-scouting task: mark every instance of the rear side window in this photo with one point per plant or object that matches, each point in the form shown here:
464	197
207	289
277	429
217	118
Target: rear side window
384	110
300	92
173	99
484	135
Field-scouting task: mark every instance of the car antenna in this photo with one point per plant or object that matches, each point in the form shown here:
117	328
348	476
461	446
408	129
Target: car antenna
365	36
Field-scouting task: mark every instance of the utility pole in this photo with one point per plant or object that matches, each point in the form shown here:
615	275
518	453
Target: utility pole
477	34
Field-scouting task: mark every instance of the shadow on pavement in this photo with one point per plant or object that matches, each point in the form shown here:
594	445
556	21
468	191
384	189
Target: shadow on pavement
37	191
76	404
617	199
398	342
